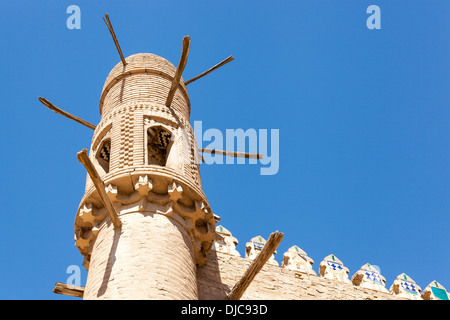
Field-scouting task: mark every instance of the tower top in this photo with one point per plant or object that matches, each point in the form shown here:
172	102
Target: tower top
140	65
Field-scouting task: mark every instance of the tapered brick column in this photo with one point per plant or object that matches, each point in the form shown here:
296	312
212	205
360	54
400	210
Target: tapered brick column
150	258
146	156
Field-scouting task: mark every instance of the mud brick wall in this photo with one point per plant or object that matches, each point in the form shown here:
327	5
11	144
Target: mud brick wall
218	276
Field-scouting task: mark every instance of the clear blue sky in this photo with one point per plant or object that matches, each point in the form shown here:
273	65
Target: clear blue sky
363	117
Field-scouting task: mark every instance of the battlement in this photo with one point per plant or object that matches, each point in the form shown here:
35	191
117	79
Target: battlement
295	279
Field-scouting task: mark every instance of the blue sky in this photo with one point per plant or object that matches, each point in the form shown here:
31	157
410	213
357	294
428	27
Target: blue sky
363	117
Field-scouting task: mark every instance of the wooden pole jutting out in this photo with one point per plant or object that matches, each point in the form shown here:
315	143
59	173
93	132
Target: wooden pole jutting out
51	106
224	62
257	264
180	69
113	34
100	186
233	154
69	290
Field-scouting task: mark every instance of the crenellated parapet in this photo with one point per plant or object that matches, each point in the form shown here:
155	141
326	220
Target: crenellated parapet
333	268
369	277
405	287
225	242
172	199
296	259
254	247
365	283
435	291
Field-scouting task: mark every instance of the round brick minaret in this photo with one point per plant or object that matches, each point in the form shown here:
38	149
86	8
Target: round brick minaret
146	155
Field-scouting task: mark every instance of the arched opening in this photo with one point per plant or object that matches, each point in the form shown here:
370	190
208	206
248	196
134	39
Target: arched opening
158	145
103	155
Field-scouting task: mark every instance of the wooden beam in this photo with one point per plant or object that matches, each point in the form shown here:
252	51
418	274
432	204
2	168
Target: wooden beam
201	158
54	108
179	71
100	186
269	248
233	154
222	63
113	34
68	290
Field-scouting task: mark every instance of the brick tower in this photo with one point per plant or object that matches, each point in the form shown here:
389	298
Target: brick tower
146	155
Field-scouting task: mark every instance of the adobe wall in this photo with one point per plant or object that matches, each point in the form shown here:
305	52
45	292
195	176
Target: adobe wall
223	270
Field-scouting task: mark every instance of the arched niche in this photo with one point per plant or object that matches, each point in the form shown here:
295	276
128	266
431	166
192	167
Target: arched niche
159	143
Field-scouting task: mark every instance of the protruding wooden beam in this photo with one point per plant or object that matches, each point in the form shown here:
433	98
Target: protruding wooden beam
68	290
257	264
201	158
113	34
83	157
180	69
52	107
233	154
222	63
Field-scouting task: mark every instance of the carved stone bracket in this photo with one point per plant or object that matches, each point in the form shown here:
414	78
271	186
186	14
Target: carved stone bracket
192	214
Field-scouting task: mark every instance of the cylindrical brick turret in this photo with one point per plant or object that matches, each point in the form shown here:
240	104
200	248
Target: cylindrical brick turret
146	156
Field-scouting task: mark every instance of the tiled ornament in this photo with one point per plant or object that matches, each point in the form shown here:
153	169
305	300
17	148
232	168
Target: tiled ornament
254	247
435	291
296	259
405	287
333	268
369	277
225	242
